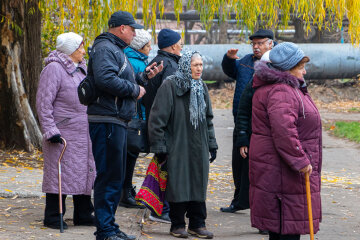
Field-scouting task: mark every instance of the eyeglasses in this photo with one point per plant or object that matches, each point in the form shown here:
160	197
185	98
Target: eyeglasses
260	43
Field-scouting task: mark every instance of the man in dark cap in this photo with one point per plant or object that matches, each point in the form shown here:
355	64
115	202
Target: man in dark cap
170	46
118	89
242	71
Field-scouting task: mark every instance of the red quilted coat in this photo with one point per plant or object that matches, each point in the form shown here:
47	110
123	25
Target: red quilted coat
286	137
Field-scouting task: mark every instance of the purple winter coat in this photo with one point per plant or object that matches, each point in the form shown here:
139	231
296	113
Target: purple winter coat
60	112
286	137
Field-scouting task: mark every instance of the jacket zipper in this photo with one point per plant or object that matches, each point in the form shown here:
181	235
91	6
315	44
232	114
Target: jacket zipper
302	103
116	107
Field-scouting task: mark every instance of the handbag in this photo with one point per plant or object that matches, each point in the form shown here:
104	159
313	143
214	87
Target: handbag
137	135
152	191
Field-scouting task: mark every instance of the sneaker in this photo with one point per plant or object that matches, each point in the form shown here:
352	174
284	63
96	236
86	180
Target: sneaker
201	233
179	233
124	236
114	237
164	218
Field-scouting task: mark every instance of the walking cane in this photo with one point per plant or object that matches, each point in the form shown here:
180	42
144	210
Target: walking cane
308	198
60	194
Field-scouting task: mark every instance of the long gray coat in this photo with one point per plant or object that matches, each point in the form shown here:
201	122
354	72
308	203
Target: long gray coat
60	112
171	131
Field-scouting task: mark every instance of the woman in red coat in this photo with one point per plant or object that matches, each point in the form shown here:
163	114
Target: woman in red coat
285	144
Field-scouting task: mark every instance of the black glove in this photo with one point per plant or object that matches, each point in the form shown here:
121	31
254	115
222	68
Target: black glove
213	155
56	139
162	157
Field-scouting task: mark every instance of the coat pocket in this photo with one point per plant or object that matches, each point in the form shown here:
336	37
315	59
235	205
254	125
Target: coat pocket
62	122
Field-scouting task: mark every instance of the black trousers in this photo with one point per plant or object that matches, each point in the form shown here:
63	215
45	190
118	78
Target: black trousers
240	169
277	236
83	208
130	166
195	211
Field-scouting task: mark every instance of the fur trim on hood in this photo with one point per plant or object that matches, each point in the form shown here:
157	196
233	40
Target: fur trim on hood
265	74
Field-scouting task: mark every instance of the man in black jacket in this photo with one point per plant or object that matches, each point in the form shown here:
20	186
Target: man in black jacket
242	70
170	46
118	90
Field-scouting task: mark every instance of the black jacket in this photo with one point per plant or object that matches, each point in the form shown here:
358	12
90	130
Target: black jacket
243	117
118	93
170	66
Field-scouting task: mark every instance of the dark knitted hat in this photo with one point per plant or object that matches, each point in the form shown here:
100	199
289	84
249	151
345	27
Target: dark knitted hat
167	37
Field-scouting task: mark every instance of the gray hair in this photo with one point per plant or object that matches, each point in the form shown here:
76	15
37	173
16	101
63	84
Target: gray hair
272	42
196	55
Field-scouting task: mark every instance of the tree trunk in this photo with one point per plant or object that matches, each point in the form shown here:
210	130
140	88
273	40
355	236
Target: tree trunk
20	60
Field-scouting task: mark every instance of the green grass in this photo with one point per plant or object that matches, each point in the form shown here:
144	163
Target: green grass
350	130
354	109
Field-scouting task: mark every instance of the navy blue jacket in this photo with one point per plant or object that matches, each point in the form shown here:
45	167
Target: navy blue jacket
242	71
118	93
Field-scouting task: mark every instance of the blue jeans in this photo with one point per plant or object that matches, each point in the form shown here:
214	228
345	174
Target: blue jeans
109	149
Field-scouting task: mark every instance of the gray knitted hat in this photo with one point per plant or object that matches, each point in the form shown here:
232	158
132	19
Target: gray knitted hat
141	39
286	55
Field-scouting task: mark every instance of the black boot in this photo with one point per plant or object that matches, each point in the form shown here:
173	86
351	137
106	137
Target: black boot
127	200
230	209
83	211
52	216
133	191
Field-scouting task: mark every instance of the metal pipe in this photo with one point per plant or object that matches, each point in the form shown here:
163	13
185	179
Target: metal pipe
327	61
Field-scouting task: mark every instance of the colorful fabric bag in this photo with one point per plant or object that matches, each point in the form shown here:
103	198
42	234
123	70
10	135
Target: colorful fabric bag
152	191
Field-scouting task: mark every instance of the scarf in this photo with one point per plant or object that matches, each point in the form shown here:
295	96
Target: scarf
184	81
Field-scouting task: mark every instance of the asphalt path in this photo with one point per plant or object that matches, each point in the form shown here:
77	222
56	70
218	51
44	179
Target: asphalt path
22	203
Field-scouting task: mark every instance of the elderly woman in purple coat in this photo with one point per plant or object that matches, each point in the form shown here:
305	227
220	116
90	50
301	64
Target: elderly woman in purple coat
61	115
285	144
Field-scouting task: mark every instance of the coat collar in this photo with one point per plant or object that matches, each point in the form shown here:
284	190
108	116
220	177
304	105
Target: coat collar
112	38
65	61
265	74
174	57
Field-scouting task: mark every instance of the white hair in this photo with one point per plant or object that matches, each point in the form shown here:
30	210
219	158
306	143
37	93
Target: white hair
196	55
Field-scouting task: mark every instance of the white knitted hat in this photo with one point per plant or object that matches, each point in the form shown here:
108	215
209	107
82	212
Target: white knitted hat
141	39
68	42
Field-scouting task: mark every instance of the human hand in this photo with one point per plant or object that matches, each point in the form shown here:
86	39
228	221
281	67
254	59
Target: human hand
152	70
231	53
56	139
244	151
212	155
307	169
141	92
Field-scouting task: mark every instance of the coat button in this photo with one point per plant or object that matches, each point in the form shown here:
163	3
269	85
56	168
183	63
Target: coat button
91	170
297	147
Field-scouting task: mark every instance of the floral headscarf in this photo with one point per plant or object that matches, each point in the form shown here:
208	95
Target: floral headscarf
184	81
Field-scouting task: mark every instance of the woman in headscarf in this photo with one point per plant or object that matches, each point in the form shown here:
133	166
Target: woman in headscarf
61	115
285	144
181	133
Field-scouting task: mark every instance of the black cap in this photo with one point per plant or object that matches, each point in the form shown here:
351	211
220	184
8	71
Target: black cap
262	33
123	18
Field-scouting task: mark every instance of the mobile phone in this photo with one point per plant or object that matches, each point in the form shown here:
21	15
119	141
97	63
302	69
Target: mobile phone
157	64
